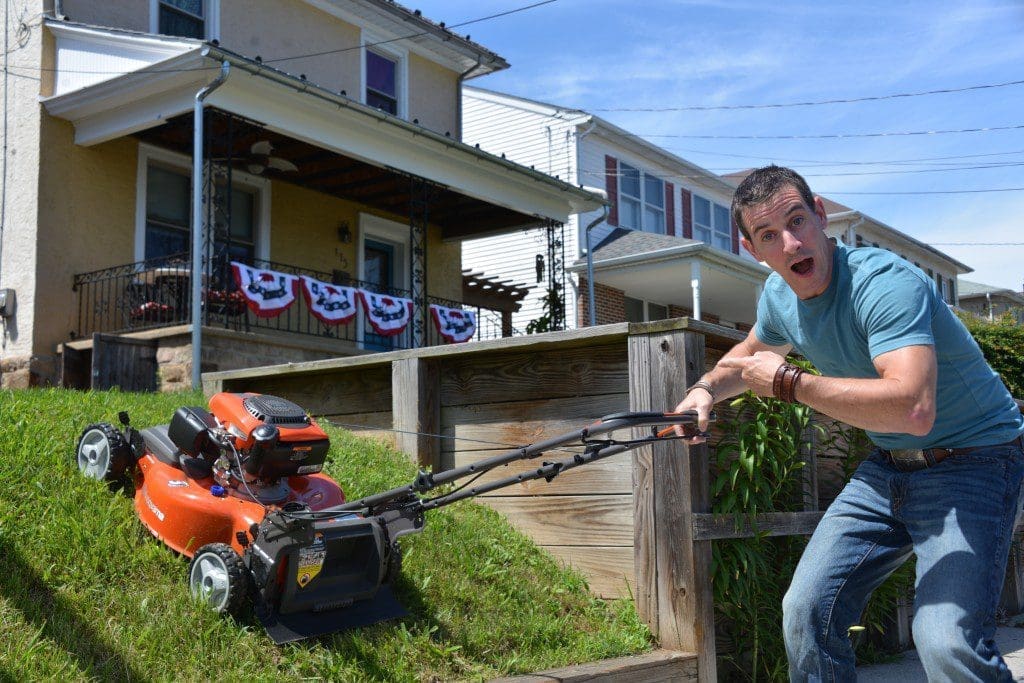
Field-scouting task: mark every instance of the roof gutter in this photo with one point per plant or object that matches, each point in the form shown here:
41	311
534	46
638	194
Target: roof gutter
197	222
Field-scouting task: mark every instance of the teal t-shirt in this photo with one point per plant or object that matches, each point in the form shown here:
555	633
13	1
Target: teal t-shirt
878	302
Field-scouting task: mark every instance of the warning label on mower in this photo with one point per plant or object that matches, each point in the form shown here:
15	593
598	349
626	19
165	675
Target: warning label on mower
311	560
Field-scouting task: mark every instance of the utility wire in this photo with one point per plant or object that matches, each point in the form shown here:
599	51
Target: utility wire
913	192
827	136
312	54
814	103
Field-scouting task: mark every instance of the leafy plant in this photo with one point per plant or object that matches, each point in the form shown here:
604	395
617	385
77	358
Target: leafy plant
1002	342
553	317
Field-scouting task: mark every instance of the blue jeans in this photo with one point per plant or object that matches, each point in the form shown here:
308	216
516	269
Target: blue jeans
957	517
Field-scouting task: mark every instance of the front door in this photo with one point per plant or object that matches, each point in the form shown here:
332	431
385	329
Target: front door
379	274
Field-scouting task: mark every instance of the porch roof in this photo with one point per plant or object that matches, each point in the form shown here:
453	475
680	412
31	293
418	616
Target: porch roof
659	268
111	83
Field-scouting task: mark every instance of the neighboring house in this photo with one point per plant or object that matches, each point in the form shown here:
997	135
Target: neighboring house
990	302
854	228
666	248
330	148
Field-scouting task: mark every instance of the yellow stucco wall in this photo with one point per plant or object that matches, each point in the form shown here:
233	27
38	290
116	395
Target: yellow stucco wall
129	14
433	96
304	232
275	29
86	221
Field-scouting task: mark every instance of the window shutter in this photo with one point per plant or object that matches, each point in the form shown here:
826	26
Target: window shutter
611	180
735	234
687	213
670	209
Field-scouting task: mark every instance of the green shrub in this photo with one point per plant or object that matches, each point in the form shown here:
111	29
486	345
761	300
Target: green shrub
1002	342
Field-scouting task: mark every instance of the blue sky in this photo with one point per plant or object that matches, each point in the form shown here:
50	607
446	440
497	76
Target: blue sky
600	55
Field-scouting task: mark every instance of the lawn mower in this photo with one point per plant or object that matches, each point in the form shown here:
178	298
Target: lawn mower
238	488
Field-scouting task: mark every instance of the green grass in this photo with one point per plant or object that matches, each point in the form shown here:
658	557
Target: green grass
87	594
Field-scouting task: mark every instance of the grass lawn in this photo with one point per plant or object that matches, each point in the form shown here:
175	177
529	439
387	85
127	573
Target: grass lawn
86	593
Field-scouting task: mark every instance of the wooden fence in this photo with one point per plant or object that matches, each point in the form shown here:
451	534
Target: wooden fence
636	524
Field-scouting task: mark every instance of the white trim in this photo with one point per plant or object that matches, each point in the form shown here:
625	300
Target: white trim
401	57
262	186
211	18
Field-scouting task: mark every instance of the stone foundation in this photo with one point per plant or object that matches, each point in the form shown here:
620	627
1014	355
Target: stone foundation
22	372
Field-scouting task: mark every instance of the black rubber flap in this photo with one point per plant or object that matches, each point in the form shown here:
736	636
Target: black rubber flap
287	628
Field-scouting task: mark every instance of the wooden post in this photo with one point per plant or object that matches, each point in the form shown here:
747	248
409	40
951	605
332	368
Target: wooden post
415	410
670	485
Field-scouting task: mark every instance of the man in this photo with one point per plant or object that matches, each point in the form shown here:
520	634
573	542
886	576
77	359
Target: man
944	479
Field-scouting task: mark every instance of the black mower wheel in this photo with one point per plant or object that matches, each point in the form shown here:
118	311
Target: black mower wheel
102	452
394	565
218	577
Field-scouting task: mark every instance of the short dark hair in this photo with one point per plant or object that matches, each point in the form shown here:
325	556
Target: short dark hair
761	185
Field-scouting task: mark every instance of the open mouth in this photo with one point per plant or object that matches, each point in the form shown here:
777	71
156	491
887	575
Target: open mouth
803	267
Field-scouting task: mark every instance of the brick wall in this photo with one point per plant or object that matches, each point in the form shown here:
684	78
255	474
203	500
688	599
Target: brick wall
610	304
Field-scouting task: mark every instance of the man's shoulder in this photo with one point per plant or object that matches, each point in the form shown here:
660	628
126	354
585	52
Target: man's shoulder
867	262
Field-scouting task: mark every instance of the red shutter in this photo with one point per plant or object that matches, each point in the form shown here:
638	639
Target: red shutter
735	234
670	209
687	213
611	181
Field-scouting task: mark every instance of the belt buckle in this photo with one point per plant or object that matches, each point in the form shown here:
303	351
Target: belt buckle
908	459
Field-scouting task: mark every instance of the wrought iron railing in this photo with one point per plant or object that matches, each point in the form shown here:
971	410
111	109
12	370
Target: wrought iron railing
156	293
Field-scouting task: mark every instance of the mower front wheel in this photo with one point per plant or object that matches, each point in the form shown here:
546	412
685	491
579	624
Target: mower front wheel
102	452
218	577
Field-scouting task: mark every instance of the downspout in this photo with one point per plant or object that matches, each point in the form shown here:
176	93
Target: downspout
591	306
458	84
197	223
988	298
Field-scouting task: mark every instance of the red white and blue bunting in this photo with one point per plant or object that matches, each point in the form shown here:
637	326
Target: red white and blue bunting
388	315
454	324
331	304
267	292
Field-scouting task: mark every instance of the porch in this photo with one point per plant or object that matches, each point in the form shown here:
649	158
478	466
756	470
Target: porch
134	322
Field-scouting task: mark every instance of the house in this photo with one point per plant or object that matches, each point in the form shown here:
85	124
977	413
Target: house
328	147
990	302
666	246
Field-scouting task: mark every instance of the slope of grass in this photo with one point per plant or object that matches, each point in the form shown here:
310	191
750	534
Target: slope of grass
87	594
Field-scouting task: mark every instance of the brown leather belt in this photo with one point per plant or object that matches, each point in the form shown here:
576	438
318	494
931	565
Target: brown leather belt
912	459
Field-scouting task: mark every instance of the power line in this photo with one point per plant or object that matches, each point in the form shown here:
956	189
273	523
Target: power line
313	54
977	244
914	192
870	98
825	136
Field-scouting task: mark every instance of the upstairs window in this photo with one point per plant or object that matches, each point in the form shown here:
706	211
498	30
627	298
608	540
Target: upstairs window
185	18
382	82
711	223
641	200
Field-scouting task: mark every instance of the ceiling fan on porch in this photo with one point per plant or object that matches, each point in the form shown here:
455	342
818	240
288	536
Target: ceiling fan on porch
261	157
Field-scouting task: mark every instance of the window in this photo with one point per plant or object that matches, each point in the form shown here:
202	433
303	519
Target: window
184	18
169	217
641	200
711	223
164	210
381	82
639	311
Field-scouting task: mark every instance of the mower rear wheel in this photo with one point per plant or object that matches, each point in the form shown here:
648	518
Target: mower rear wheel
102	452
218	577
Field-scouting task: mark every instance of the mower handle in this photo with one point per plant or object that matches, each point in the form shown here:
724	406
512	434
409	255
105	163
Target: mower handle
594	449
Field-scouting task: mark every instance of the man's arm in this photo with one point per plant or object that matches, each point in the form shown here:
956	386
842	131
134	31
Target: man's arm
900	400
725	381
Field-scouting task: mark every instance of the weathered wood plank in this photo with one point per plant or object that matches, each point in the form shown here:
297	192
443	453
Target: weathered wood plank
707	527
366	390
508	425
531	376
569	520
660	666
644	528
667	363
608	569
415	409
611	475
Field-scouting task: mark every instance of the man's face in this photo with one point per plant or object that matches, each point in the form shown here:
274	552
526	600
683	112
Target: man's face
790	237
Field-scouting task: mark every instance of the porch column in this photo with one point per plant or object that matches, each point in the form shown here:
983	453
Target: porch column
420	192
695	280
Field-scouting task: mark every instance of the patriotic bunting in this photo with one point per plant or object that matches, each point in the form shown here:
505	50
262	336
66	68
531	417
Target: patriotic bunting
388	315
454	324
268	292
331	304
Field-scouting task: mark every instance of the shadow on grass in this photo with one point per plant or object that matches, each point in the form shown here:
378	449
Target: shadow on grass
58	620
